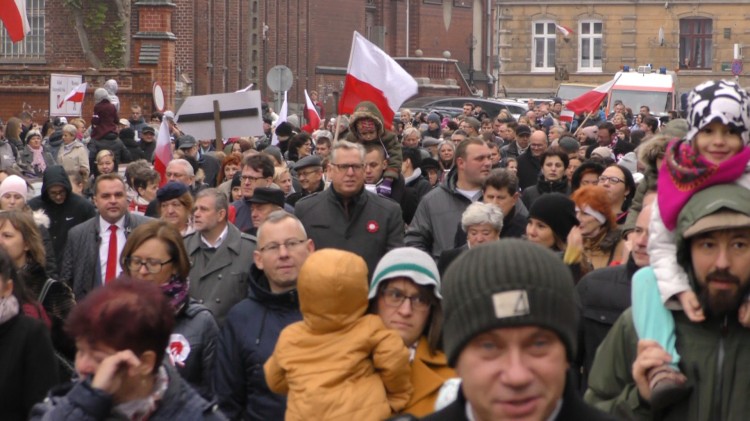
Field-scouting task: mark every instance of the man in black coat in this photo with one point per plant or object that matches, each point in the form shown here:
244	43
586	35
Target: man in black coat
530	162
607	136
207	162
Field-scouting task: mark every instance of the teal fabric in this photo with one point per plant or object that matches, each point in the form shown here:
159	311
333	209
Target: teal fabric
651	319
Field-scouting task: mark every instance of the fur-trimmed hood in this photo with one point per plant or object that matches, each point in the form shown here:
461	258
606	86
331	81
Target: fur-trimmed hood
367	109
40	218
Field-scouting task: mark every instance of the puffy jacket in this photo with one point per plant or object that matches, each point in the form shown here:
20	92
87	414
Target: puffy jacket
433	228
81	402
543	186
338	363
198	327
247	339
388	140
428	373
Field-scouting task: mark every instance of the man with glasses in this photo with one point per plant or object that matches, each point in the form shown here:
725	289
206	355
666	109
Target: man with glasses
530	162
219	254
257	171
348	217
64	208
310	176
253	325
92	253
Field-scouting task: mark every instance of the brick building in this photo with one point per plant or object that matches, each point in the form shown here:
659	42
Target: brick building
692	37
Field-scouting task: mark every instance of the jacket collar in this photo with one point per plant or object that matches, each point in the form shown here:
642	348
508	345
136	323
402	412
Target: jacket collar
261	292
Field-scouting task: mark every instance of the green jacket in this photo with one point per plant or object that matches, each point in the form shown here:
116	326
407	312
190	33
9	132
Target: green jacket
715	356
387	139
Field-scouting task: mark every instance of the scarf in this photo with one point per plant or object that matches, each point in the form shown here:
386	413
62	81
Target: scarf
9	308
684	172
141	409
176	289
38	161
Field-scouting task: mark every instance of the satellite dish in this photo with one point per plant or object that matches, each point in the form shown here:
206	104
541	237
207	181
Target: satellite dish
158	95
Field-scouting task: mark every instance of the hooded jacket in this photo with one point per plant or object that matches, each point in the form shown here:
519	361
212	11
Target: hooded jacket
247	339
389	140
73	211
338	363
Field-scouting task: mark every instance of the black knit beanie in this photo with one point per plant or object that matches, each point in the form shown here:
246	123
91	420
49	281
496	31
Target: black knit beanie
507	283
557	211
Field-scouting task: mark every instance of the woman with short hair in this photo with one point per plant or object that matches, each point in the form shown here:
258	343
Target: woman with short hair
175	206
73	155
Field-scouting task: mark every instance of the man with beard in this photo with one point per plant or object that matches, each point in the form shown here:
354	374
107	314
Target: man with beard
713	246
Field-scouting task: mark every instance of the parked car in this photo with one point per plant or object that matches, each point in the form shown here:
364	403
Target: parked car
491	106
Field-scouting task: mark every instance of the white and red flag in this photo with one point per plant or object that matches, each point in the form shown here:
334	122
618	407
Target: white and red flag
374	76
76	95
13	15
163	151
567	115
311	115
564	30
591	100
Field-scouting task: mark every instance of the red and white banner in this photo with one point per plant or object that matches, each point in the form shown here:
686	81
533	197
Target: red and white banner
76	95
374	76
163	151
13	15
567	115
591	100
311	115
564	30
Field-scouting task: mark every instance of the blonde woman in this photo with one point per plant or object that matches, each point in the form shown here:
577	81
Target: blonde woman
73	155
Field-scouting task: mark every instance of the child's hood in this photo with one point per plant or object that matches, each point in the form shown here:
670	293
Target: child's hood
367	109
332	287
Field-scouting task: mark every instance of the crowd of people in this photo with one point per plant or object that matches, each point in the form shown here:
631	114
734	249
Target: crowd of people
434	267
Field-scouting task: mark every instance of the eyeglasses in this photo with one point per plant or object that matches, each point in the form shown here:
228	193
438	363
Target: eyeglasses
613	180
153	266
347	167
251	178
274	248
395	298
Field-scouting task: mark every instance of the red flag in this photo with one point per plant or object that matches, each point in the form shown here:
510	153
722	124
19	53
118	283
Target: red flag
567	115
374	76
76	95
13	15
163	151
591	100
564	30
311	115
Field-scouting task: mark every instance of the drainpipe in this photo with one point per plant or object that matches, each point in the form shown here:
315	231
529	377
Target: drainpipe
407	27
489	46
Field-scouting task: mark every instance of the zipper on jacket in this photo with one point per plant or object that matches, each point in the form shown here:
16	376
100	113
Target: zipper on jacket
717	404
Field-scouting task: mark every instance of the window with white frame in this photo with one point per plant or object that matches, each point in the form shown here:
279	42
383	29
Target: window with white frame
31	48
590	46
543	47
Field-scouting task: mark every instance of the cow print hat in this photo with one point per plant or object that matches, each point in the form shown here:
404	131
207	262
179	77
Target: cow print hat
722	101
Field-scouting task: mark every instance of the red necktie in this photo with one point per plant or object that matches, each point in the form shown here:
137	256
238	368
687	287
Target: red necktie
112	255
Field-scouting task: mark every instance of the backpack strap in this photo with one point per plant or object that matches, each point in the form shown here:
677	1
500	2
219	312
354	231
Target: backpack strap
45	289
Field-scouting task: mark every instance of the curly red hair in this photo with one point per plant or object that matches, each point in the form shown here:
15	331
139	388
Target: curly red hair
596	197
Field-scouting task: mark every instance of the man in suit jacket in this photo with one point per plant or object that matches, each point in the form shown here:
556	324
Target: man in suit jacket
92	252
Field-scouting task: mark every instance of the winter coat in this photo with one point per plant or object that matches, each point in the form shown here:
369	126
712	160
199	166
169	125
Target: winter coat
55	142
438	215
148	149
112	143
8	155
81	402
27	366
242	217
339	363
133	149
247	339
104	121
218	277
572	409
211	167
81	268
73	211
713	356
543	186
603	295
374	225
195	325
75	158
293	198
428	373
26	157
387	139
509	151
420	184
529	168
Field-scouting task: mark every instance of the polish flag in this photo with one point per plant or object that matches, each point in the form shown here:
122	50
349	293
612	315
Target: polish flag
567	115
374	76
13	15
564	30
76	95
591	100
311	114
282	118
163	151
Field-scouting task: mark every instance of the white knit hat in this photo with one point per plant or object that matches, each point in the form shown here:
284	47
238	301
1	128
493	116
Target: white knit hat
15	184
407	262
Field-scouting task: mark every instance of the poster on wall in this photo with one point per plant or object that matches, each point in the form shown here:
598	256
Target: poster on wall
64	95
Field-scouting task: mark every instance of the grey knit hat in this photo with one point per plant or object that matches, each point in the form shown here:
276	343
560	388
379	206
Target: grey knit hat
507	283
407	262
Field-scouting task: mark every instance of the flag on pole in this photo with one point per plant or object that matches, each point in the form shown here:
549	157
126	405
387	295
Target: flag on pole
567	115
311	115
163	151
564	30
13	15
76	95
591	100
374	76
282	118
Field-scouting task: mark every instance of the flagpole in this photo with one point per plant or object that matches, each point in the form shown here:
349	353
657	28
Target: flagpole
336	135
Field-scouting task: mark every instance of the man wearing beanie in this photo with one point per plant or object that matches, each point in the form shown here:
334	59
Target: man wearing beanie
433	126
511	334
